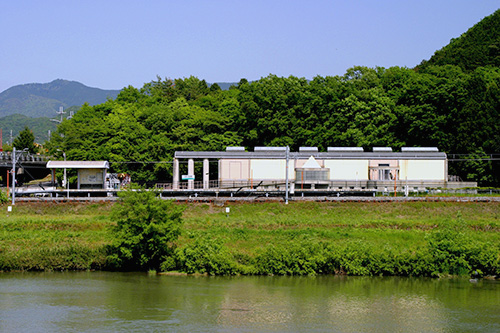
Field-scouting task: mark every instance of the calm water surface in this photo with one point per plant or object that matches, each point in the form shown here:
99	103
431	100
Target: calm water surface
133	302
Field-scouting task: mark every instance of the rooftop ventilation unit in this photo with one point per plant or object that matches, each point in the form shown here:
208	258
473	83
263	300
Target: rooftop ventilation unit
308	149
419	149
382	149
235	148
345	149
257	149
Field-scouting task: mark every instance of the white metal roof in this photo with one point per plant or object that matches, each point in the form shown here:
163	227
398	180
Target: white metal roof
272	149
78	164
383	155
308	149
235	148
382	149
406	149
341	149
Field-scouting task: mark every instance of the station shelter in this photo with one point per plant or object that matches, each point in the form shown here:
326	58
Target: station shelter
91	174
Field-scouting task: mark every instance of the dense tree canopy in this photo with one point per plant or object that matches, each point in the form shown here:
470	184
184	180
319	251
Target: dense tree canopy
443	106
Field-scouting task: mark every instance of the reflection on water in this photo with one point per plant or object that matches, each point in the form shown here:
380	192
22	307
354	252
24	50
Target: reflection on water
100	301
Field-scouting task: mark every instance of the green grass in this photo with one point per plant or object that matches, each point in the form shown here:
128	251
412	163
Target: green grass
378	232
57	236
411	215
47	236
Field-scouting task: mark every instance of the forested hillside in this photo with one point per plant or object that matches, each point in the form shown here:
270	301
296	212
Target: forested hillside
17	122
478	47
44	99
439	106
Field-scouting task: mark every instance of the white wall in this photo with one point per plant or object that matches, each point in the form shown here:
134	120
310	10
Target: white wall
271	169
422	170
347	169
235	169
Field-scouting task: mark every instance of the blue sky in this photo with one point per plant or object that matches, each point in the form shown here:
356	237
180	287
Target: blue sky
111	44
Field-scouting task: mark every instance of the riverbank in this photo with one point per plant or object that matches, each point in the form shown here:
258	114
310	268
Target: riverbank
354	238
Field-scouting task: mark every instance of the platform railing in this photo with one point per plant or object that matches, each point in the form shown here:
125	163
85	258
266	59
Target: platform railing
332	185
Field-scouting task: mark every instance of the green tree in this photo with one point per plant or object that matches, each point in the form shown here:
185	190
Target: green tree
191	88
145	232
272	108
214	87
442	106
25	139
477	167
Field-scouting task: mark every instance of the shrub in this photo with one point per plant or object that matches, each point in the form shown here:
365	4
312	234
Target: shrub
302	258
208	256
3	197
459	254
146	230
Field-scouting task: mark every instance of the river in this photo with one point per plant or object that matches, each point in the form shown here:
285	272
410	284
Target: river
136	302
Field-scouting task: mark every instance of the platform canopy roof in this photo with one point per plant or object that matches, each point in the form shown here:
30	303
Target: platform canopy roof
419	153
78	165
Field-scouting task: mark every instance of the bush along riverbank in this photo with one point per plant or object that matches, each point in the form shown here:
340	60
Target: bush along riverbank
405	239
444	253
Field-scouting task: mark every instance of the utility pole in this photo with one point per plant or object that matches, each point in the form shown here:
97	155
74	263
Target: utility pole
286	176
13	176
65	182
14	160
61	112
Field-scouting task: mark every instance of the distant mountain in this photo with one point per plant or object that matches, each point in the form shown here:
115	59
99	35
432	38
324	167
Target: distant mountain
226	85
45	99
478	47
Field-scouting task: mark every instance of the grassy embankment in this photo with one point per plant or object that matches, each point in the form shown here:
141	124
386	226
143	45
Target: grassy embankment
419	238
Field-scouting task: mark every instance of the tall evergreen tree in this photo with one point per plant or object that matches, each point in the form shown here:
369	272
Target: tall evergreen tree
25	139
